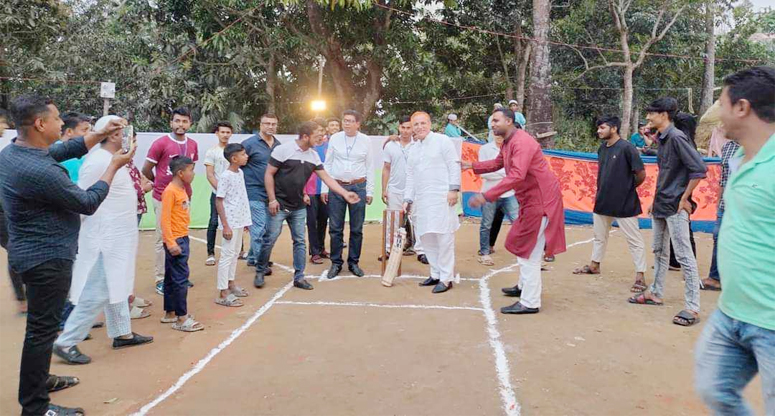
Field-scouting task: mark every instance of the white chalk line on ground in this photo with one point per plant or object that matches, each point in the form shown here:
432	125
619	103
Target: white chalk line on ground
381	305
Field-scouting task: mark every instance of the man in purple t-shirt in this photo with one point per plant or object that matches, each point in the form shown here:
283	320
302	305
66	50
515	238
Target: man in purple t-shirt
159	155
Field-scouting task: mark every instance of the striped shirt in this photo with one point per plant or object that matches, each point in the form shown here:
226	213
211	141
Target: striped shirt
727	152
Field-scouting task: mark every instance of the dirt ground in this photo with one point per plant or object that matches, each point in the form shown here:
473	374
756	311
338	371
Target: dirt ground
353	347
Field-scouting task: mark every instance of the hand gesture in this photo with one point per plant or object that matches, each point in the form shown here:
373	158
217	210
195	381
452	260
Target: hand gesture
352	198
274	207
227	232
307	201
112	126
175	250
368	200
452	198
685	205
324	198
477	201
120	158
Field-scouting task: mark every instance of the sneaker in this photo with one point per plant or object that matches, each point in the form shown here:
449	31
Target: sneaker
160	287
210	261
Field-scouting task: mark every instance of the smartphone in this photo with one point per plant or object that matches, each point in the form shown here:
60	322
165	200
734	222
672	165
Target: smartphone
126	141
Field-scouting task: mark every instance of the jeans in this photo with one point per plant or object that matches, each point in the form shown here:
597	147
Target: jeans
510	208
258	214
673	260
713	273
337	207
675	229
47	287
176	279
317	222
212	227
296	222
728	355
94	299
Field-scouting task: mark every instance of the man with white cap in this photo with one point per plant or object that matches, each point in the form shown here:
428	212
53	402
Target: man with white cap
431	195
452	129
514	106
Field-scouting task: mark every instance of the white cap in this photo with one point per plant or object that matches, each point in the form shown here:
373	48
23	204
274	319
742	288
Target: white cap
513	102
452	117
103	121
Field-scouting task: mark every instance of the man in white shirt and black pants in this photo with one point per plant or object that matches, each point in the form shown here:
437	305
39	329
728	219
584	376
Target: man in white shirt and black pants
349	161
395	156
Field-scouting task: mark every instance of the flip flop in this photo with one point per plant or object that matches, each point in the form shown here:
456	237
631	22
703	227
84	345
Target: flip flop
166	320
638	287
643	300
230	301
585	270
686	318
141	303
138	313
189	325
239	292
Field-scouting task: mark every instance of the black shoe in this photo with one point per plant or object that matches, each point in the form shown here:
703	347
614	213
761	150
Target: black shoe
334	271
513	292
270	264
268	271
429	282
136	339
441	287
258	281
518	309
356	270
188	282
54	410
72	356
422	259
57	383
302	284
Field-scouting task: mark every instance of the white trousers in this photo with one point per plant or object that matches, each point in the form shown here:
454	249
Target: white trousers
440	250
396	202
631	230
159	247
530	271
227	263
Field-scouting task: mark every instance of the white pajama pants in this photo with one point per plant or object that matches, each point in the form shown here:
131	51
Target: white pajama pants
631	230
159	247
530	271
396	202
227	264
440	250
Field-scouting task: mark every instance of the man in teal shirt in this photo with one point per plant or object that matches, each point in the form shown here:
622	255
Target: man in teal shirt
452	129
76	125
739	339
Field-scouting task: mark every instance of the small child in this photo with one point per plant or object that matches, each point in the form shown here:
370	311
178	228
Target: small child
231	202
175	218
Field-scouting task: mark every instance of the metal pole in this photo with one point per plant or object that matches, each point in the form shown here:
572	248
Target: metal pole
105	106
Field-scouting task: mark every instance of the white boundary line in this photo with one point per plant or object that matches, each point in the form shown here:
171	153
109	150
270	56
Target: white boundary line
215	351
380	305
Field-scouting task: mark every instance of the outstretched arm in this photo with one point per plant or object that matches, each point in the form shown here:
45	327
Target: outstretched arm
520	164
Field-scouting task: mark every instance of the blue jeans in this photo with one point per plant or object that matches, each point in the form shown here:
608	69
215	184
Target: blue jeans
510	208
297	221
728	355
337	207
713	274
258	214
176	274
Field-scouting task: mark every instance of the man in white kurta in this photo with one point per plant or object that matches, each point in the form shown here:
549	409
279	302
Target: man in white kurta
431	195
104	269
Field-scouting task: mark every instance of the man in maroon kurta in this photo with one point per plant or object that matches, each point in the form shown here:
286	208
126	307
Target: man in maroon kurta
541	221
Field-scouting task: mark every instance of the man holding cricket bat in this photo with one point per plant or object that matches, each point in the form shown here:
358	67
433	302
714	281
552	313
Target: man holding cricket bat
431	195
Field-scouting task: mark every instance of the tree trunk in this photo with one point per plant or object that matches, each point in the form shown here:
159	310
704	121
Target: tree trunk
539	118
708	77
271	83
505	65
522	76
627	102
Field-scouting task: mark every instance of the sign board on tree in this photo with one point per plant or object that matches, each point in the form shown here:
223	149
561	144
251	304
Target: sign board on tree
108	90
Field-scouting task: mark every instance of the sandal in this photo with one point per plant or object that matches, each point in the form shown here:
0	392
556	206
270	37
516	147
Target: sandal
643	300
166	320
239	292
638	287
189	325
686	318
586	270
706	286
141	303
138	313
56	383
231	301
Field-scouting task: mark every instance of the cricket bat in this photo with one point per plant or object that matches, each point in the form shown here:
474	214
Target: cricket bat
396	253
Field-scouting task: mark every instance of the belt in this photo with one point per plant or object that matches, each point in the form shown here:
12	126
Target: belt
352	182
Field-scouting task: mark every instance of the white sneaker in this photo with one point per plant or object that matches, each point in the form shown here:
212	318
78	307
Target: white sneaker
210	261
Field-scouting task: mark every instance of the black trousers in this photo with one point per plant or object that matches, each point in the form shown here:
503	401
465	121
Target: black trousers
317	222
497	221
47	288
212	227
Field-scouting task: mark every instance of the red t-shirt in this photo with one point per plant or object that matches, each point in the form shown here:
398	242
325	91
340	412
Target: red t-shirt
161	152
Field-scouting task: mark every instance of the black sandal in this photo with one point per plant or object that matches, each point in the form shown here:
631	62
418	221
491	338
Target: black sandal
54	410
56	383
686	318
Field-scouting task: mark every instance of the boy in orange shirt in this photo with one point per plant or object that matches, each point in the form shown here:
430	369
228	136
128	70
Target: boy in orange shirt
175	218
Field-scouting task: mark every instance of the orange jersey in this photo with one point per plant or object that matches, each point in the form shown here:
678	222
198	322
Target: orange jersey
175	214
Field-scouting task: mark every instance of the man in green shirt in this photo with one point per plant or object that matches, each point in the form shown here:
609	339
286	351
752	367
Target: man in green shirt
739	339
